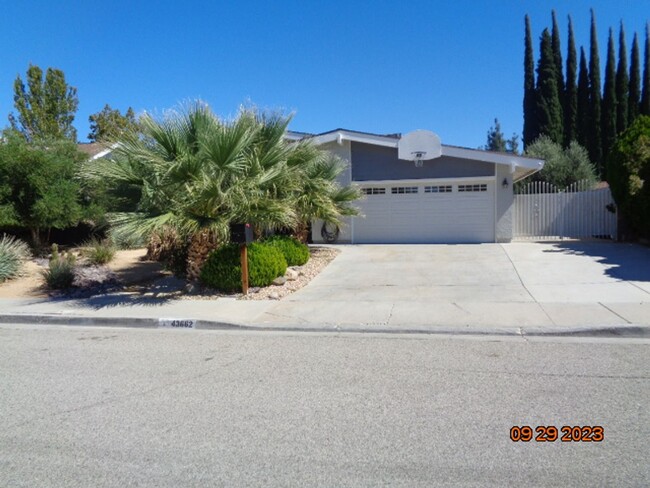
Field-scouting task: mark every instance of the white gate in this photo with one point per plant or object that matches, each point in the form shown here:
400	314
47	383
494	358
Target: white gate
580	211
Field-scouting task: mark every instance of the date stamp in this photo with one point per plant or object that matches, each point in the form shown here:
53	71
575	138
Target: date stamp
550	433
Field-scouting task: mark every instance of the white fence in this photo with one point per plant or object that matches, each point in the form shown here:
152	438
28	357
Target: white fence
542	211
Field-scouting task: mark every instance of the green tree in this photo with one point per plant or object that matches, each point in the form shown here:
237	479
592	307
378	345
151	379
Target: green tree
557	58
562	167
609	103
628	176
549	110
531	129
634	98
583	106
38	186
109	124
196	174
622	84
645	96
594	145
595	133
571	91
46	107
496	141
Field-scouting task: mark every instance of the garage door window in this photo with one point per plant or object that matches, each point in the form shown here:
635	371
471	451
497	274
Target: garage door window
437	189
468	188
374	191
403	189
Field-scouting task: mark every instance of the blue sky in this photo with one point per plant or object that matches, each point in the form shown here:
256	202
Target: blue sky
376	66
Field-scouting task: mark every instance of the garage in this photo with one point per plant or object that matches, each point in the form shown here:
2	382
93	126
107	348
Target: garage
417	190
460	211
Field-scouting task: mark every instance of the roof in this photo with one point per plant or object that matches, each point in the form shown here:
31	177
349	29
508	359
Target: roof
94	150
520	166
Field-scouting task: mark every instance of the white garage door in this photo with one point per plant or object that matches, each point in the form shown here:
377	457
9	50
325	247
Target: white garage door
434	212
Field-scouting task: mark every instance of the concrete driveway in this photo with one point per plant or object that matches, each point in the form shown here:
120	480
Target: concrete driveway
496	285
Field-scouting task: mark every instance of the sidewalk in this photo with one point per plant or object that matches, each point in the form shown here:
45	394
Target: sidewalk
469	318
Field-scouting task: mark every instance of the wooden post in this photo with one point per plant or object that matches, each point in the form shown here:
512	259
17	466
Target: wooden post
244	269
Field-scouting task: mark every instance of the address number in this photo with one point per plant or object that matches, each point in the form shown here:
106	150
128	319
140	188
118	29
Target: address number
177	323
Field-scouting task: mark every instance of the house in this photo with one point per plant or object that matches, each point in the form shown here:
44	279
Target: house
460	196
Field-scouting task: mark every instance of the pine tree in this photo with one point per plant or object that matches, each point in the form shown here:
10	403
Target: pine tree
634	97
531	130
622	84
496	141
571	91
645	97
582	118
595	143
549	110
609	104
557	58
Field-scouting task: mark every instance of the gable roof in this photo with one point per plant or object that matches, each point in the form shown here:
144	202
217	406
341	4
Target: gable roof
520	166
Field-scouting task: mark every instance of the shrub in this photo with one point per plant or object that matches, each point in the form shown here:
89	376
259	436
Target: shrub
99	251
222	269
265	263
13	253
60	273
295	252
125	240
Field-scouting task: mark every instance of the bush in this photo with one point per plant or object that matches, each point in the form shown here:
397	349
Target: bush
124	240
99	251
13	253
60	273
222	269
295	252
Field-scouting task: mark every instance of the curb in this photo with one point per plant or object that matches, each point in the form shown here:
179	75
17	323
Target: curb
622	331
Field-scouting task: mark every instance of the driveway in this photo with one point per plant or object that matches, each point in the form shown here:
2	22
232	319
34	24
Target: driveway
516	284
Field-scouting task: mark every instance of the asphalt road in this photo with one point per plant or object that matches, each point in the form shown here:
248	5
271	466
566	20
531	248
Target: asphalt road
102	407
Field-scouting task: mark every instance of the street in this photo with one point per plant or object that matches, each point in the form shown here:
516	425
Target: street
110	407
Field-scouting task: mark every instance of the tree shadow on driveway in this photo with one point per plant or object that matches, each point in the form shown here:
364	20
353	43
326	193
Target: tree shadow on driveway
623	261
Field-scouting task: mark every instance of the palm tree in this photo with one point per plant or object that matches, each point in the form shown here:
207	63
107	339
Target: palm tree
320	196
195	174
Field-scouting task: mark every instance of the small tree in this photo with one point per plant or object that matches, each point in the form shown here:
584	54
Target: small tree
38	189
109	124
46	107
563	167
629	177
496	141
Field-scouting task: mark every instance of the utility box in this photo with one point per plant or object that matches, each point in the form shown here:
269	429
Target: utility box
241	233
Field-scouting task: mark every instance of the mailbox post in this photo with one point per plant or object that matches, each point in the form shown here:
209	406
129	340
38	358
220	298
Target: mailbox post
242	234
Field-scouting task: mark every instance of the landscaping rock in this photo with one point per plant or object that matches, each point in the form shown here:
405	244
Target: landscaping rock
274	295
279	281
291	274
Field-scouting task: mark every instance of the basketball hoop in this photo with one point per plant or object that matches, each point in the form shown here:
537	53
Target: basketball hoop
418	158
419	146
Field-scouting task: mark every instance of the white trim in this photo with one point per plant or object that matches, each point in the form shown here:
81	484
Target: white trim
350	136
424	181
451	151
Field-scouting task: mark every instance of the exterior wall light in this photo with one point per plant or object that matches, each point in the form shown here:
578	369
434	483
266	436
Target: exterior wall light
504	183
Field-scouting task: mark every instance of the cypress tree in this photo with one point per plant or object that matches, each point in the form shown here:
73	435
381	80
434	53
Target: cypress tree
531	131
571	91
595	143
622	84
609	108
634	94
549	110
557	58
645	97
582	118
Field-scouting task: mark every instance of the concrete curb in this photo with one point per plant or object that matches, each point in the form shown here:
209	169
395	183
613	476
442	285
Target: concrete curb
623	331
